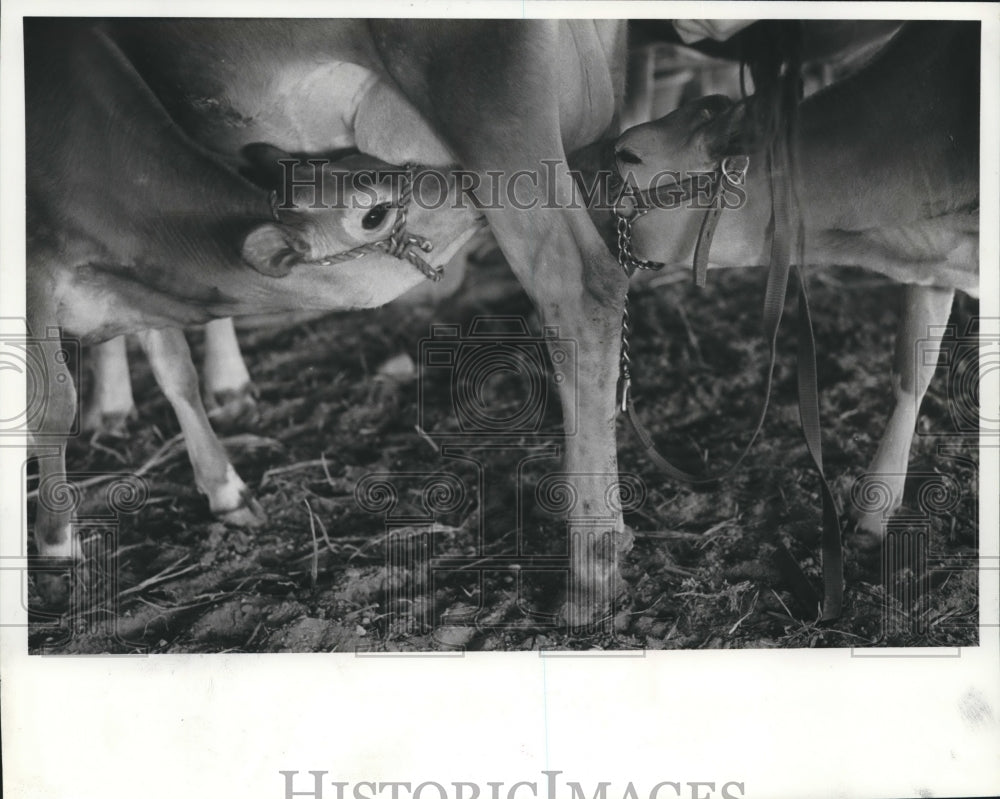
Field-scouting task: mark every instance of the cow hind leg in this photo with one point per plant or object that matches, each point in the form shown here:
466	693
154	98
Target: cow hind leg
54	537
230	395
228	496
111	404
918	343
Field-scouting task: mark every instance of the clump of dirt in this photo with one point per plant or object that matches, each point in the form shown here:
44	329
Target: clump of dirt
362	496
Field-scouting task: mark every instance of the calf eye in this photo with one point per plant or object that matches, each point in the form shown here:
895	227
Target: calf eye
626	156
375	216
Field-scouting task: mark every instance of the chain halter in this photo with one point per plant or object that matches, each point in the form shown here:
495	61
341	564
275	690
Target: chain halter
731	172
400	243
629	263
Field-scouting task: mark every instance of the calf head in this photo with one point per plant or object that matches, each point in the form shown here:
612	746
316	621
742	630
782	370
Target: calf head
693	138
673	163
328	213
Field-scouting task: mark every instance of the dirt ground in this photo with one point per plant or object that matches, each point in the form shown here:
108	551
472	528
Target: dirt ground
329	573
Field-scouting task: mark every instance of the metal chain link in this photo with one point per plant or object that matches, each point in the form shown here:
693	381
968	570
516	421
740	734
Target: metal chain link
629	263
732	171
624	256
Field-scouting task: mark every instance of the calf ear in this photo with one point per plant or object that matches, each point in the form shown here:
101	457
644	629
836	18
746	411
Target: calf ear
273	249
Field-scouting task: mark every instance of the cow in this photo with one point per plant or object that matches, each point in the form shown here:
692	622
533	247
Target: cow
887	180
134	227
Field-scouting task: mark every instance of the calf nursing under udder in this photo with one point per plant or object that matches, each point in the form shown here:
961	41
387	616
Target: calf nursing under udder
887	179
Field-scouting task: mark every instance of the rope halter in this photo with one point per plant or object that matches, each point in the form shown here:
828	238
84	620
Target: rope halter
400	243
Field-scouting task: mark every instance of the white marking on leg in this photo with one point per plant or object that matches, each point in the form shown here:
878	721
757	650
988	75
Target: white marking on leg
228	495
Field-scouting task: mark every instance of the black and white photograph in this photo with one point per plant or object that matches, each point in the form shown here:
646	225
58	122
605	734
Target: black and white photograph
561	399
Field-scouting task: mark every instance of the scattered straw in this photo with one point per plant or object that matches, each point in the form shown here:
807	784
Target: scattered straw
741	619
423	434
293	467
805	627
326	471
668	535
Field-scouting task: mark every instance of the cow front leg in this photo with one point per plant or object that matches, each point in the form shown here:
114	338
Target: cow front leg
230	395
596	527
228	496
918	344
579	289
111	404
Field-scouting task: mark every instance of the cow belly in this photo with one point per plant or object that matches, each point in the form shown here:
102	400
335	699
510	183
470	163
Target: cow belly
308	108
304	87
933	239
935	253
316	108
96	305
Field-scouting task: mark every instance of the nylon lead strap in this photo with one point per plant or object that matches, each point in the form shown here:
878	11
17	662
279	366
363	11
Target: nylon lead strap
779	229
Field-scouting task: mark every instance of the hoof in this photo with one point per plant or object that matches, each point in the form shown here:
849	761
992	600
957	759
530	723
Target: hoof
869	525
864	538
59	582
233	407
579	617
583	618
250	514
114	424
54	589
625	540
873	499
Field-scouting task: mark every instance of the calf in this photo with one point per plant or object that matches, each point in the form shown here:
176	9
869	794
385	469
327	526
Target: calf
887	180
132	227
